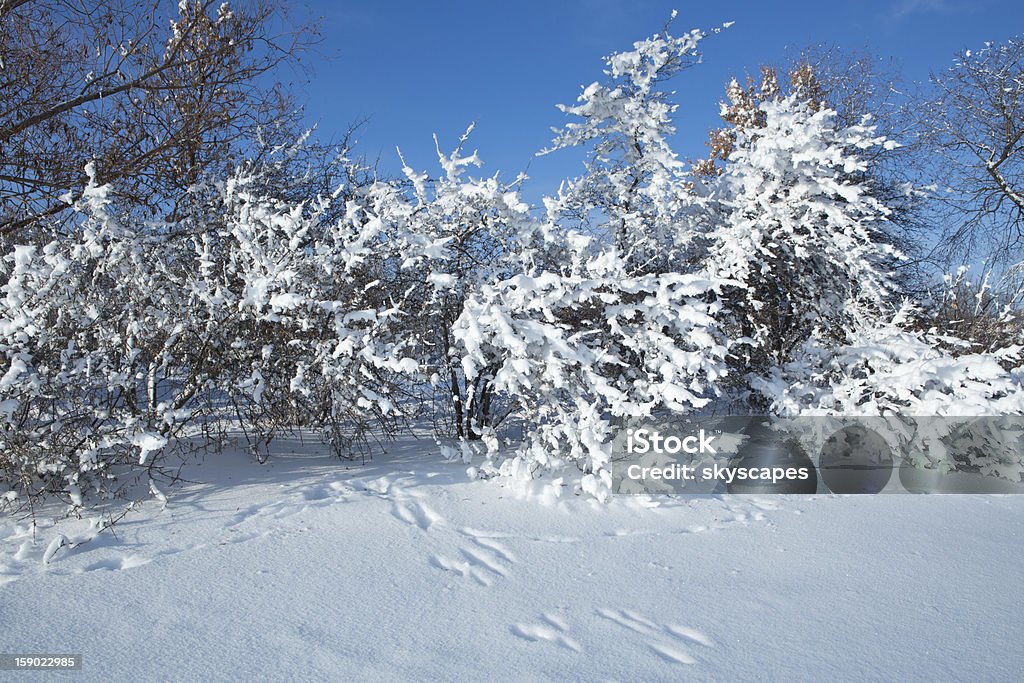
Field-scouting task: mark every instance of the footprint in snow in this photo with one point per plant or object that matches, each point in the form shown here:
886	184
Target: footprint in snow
489	545
381	486
246	513
665	640
117	564
315	493
416	514
465	568
552	629
483	559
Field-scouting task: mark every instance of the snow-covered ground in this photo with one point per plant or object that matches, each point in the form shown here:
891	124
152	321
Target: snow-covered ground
403	569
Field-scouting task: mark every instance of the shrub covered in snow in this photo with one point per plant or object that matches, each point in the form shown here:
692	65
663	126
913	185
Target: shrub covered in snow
798	230
886	368
579	346
119	338
476	232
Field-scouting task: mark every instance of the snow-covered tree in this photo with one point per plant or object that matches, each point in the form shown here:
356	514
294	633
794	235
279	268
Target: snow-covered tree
582	345
797	233
634	188
478	231
852	86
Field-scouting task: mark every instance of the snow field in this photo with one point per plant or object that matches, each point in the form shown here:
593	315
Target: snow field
403	569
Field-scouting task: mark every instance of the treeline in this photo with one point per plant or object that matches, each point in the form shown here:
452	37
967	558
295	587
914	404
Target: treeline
184	266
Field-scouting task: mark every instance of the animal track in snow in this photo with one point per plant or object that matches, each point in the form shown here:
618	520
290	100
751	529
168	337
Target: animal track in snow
483	558
672	654
381	486
245	513
665	640
315	493
315	496
553	629
489	544
689	634
481	564
629	620
464	568
118	564
415	514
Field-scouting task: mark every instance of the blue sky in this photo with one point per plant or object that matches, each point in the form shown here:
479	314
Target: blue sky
419	68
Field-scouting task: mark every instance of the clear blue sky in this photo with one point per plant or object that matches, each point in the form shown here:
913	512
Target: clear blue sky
415	68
